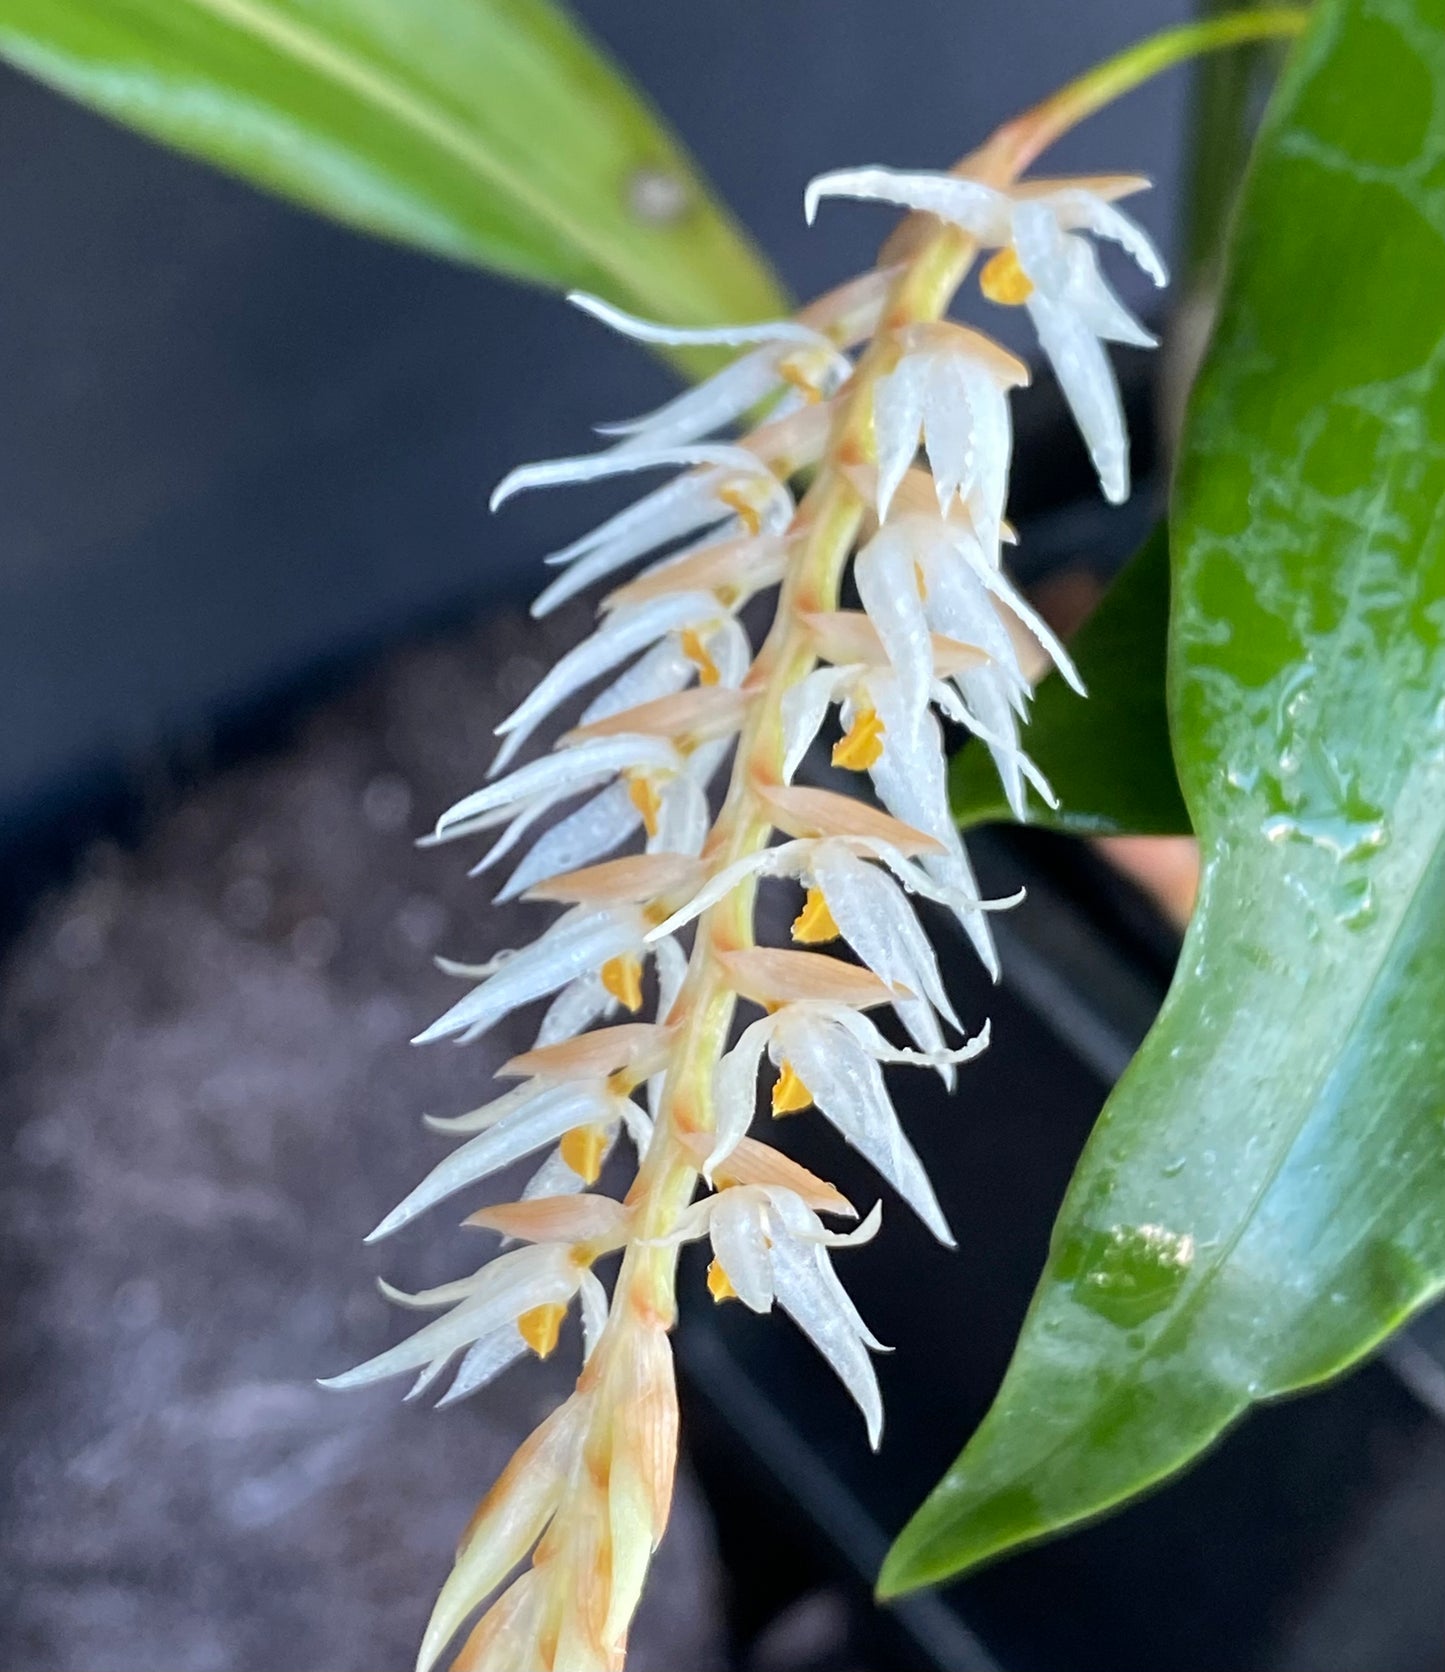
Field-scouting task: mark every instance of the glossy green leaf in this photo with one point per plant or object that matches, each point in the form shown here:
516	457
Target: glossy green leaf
1264	1197
491	131
1107	759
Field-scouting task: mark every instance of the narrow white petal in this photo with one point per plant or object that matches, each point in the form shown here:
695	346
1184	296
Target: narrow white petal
993	721
594	1313
1080	210
477	1120
911	780
992	430
595	467
513	834
543	1120
741	1245
772	862
1089	386
594	829
485	1360
579	767
1001	588
809	1292
804	708
428	1377
866	1033
1088	295
727	644
676	509
682	816
574	945
675	336
847	1086
718	401
959	607
879	924
639	1127
445	1294
977	208
888	588
735	1092
580	1003
671	973
665	670
622	635
519	1282
898	406
948	423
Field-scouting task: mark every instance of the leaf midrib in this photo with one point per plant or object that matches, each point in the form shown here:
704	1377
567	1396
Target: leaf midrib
353	72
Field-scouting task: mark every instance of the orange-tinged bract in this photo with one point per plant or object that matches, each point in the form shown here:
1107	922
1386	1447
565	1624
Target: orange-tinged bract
899	423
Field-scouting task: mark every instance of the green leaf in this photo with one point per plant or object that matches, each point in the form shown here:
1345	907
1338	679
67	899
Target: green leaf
1108	759
490	131
1263	1200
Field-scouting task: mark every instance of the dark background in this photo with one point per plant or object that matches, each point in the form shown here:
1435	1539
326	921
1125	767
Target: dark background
255	625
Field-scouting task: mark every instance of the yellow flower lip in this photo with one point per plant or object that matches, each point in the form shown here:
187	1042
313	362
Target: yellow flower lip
719	1284
789	1093
541	1326
814	924
646	799
622	977
1003	280
582	1149
861	746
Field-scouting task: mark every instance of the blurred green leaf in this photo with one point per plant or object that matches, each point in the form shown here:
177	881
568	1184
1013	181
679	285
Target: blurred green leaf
491	131
1261	1202
1107	759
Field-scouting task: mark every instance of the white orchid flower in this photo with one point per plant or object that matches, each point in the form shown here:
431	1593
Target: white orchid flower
724	489
516	1301
783	355
769	1245
864	904
829	1055
949	391
1047	267
608	941
690	617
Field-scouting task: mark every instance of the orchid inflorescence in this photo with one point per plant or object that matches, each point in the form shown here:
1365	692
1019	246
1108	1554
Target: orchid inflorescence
849	392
